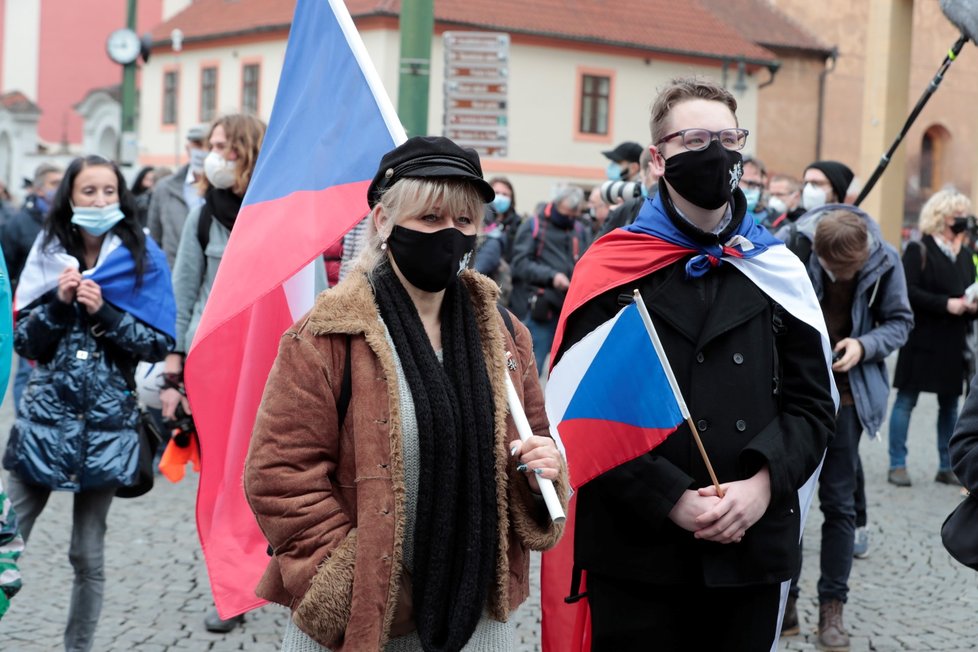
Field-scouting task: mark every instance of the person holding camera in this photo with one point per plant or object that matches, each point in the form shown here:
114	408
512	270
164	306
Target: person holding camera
233	141
624	165
547	247
862	291
635	195
939	270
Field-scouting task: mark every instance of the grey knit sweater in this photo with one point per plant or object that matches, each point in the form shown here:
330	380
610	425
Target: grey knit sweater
489	635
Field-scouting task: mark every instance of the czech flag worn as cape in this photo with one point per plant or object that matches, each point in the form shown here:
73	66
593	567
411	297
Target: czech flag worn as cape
115	272
624	255
330	125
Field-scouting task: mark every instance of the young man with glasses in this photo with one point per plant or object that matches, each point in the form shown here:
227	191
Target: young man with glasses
669	562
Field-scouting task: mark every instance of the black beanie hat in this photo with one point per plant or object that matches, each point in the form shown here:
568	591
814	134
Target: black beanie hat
839	176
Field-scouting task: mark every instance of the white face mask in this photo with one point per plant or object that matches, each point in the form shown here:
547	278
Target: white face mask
219	172
777	205
812	197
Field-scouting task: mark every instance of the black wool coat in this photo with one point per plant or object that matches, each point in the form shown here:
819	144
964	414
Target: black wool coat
757	387
932	360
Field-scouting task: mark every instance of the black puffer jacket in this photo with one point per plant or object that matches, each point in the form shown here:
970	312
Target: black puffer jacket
76	423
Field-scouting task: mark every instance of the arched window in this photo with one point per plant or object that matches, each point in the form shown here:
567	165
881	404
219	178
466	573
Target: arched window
933	152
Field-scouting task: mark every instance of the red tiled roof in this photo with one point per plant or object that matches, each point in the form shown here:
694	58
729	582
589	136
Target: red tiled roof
761	22
17	102
669	26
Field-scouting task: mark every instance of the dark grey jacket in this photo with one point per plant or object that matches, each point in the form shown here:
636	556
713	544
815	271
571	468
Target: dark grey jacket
881	314
18	237
964	441
168	211
76	423
559	250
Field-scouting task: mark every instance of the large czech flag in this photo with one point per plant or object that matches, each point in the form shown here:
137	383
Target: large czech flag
331	124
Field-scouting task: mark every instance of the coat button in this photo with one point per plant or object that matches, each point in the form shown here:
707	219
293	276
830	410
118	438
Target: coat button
741	425
702	425
738	358
80	416
699	357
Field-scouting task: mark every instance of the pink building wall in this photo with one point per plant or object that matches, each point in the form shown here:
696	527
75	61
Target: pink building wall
73	59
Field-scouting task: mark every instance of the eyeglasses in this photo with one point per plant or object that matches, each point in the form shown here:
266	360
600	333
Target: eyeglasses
699	139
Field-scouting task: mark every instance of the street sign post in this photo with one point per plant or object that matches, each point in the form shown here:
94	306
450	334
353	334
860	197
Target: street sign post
476	89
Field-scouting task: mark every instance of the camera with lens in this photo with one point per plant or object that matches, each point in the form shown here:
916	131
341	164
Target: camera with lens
182	426
614	191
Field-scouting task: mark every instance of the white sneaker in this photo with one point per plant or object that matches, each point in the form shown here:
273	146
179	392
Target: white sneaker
860	547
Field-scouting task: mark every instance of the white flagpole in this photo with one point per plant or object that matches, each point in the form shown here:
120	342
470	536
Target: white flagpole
523	427
647	320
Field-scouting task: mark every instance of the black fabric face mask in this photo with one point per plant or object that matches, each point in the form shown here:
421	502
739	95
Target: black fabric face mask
959	225
706	178
430	261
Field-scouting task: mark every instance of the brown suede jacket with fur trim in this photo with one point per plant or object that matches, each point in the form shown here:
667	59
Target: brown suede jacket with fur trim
332	503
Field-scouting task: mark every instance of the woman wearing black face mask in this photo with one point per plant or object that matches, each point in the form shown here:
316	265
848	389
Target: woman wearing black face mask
939	268
383	465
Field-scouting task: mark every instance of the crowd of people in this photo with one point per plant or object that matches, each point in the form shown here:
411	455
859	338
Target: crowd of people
382	456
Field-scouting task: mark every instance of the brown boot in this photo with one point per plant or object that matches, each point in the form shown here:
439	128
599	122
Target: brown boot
789	624
832	634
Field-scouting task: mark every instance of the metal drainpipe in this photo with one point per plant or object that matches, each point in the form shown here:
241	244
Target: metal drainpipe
821	101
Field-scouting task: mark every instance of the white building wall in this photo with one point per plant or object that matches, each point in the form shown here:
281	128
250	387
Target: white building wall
21	46
161	144
544	147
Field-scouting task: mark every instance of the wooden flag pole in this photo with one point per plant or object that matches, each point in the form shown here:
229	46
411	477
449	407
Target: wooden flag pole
647	320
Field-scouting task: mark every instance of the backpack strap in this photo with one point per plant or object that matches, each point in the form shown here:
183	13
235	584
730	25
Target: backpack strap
507	320
204	226
540	231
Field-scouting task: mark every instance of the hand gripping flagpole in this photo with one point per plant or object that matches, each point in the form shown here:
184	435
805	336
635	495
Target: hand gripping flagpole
647	320
523	428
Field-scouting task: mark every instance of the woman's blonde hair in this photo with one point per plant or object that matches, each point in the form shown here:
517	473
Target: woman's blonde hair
244	134
941	205
410	197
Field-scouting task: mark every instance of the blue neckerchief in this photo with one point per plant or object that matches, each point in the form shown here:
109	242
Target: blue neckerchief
747	241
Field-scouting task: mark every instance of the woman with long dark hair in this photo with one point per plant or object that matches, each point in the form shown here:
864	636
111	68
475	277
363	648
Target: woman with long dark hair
93	300
401	510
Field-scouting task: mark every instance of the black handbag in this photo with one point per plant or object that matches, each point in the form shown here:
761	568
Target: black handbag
150	439
960	532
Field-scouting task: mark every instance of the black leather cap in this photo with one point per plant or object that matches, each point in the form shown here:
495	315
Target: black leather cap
428	157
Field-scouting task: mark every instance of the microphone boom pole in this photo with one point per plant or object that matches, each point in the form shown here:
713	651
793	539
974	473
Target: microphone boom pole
952	54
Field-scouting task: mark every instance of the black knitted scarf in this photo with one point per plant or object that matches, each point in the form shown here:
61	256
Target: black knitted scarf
457	526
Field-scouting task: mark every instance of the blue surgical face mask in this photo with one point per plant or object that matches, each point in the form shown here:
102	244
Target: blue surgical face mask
613	171
97	221
501	203
753	196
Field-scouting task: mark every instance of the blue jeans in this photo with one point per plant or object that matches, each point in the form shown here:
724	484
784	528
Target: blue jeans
86	553
542	333
837	500
947	415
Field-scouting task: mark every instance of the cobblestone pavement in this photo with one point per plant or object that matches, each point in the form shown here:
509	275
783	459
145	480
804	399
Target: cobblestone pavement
908	595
